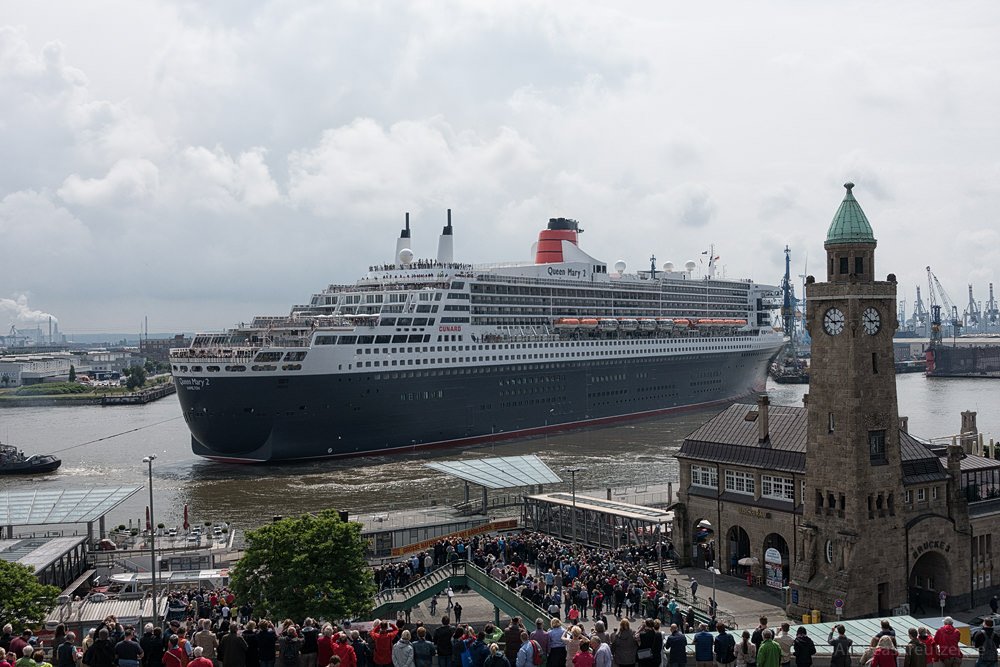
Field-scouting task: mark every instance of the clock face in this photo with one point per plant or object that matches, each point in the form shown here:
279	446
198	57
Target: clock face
871	321
833	321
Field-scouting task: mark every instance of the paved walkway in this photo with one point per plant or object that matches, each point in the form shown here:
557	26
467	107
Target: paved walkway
733	596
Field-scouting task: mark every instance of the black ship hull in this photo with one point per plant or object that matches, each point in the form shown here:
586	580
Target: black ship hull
341	415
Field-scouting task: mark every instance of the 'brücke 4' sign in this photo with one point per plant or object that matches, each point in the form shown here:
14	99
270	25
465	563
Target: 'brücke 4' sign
939	545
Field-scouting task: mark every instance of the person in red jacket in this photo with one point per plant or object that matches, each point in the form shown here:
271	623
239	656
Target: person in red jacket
383	634
946	640
324	646
175	655
927	639
885	654
343	650
199	658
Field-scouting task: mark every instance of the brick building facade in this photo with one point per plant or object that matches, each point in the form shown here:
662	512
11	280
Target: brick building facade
836	500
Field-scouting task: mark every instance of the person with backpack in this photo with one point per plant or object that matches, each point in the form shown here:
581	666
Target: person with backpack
288	648
915	650
725	646
986	641
803	648
530	654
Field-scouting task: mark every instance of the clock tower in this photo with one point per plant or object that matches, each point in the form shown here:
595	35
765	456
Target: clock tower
851	538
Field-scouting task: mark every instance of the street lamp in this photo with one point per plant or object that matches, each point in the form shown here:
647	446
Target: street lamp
152	534
715	594
572	471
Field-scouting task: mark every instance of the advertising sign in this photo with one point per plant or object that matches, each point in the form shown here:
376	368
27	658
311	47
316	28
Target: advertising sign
773	574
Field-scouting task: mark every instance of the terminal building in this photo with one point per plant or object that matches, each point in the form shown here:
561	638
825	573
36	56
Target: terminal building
835	500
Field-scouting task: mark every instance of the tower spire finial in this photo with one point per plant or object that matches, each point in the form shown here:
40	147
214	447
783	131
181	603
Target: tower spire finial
849	186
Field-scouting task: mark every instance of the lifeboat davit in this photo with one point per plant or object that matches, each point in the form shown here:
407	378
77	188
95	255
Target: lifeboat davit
628	324
588	323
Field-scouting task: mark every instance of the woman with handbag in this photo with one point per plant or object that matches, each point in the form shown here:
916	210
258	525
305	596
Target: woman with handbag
650	645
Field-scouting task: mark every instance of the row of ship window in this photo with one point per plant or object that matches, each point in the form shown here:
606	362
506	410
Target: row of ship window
425	338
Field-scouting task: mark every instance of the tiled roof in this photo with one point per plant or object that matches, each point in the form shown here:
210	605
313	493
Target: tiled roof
786	428
731	438
970	463
850	224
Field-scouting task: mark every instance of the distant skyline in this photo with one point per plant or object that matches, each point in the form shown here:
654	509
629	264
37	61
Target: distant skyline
201	163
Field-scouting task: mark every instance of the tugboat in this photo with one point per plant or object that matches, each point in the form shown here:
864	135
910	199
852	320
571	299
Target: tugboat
14	462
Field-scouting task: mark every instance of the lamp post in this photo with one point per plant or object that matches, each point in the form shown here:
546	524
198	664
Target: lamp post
152	535
572	471
715	594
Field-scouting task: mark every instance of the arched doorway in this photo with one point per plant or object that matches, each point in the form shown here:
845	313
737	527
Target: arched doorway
703	547
738	548
929	575
774	557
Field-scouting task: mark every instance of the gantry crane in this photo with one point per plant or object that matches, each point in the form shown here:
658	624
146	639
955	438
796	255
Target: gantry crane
919	317
971	316
935	290
991	313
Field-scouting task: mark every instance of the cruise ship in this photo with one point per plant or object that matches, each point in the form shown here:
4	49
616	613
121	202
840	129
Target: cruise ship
438	353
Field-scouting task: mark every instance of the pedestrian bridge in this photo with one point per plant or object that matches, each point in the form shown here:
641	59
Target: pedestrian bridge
461	574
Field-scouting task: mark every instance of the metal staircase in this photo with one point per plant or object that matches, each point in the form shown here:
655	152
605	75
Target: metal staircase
461	574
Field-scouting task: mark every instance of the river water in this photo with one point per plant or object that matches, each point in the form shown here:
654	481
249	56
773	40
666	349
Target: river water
618	456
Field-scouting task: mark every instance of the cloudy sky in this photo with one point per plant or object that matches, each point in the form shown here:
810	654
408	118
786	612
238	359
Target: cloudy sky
200	163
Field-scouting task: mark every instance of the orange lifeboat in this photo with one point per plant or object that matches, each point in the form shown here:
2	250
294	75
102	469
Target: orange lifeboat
567	323
588	323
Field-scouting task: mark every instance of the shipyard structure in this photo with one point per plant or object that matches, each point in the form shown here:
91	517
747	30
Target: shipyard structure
836	500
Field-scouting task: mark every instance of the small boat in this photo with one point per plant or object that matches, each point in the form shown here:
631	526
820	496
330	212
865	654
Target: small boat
567	323
14	462
647	324
628	324
588	323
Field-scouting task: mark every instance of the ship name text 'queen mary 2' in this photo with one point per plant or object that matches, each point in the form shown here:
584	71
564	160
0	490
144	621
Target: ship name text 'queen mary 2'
437	353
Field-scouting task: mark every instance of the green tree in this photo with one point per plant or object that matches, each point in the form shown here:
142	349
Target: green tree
309	565
136	377
23	601
72	373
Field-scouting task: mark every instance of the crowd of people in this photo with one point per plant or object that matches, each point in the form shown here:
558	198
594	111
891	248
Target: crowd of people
218	642
579	586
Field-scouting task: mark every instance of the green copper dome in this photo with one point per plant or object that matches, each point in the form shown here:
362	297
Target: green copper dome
850	225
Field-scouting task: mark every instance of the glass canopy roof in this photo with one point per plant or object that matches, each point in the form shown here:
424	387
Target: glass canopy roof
501	472
39	508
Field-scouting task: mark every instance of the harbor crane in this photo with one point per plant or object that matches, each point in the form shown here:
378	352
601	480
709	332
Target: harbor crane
919	317
991	313
788	303
935	290
972	316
